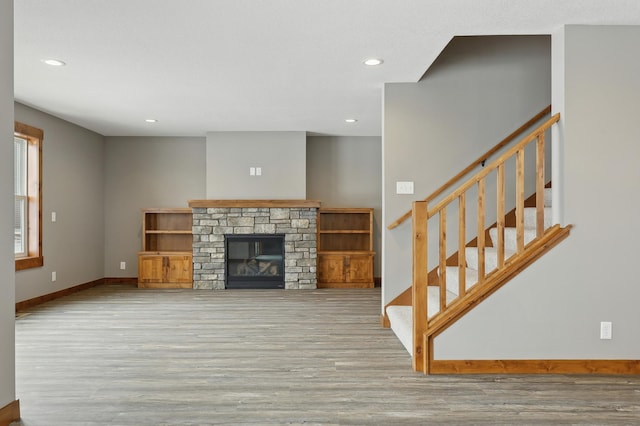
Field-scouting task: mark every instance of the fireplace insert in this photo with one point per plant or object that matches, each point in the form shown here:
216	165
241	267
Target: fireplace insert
254	261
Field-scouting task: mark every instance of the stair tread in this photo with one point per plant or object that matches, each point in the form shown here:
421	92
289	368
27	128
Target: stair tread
433	299
510	240
401	316
401	321
452	274
490	257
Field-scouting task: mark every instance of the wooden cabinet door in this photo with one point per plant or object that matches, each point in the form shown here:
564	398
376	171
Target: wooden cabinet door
330	268
360	269
150	269
179	269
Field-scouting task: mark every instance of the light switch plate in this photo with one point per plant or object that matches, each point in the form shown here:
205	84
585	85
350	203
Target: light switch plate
605	330
404	187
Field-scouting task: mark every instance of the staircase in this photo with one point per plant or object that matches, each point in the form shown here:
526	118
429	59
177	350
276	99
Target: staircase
399	316
467	272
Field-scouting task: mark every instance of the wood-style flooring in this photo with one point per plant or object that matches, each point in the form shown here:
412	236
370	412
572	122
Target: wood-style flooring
117	355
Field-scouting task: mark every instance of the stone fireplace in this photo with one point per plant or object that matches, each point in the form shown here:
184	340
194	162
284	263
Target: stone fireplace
214	220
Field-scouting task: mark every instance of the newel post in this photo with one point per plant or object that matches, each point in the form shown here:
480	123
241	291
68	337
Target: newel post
419	282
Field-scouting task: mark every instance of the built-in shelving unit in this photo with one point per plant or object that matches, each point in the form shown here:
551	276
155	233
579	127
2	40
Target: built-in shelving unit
167	249
345	247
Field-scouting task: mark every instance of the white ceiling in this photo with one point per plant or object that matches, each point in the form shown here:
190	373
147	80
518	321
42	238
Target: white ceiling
229	65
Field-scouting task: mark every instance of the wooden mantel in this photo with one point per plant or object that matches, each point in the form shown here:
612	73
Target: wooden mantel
253	203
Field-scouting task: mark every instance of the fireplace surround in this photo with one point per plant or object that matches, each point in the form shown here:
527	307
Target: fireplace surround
295	220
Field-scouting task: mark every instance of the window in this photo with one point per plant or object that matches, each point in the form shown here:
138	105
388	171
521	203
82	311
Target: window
28	201
20	179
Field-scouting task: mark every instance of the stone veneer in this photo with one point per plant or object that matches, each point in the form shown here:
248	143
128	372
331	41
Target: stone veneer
211	224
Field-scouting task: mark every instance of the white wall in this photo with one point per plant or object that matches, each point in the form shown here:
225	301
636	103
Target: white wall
554	308
478	91
281	155
347	172
73	187
145	172
7	263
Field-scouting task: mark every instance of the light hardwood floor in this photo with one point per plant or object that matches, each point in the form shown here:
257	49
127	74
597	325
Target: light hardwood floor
117	355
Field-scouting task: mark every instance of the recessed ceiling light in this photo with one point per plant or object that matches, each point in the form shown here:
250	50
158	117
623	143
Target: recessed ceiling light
350	120
151	120
54	62
372	62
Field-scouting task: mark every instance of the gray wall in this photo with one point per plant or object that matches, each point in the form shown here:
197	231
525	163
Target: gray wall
167	172
281	155
554	308
144	172
478	91
347	172
73	187
7	262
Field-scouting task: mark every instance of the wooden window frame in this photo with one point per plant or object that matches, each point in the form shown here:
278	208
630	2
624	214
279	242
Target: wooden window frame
34	138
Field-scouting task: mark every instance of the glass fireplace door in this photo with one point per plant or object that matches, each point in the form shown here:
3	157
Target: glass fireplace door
254	261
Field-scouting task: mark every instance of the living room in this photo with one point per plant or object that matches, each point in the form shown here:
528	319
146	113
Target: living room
97	186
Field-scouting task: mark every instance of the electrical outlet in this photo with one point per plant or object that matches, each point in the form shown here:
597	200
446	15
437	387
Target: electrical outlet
123	265
252	171
605	330
53	216
258	171
54	276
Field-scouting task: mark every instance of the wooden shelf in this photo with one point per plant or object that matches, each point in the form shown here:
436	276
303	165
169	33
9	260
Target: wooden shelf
167	229
345	231
345	247
166	253
150	231
344	252
167	249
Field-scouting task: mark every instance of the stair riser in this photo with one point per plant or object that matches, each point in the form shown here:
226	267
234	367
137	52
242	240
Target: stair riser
547	197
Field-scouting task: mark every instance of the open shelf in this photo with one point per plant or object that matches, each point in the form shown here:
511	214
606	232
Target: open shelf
345	247
167	230
167	246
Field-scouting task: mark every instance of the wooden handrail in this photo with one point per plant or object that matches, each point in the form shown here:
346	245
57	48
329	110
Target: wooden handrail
490	168
480	160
